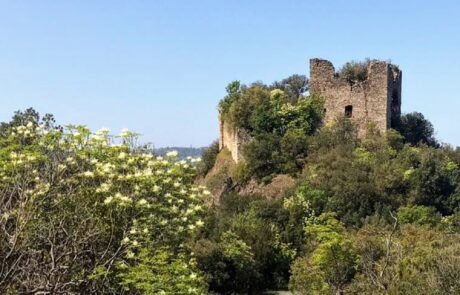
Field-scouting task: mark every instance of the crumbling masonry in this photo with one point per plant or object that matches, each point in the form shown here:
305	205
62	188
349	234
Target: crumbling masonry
232	139
376	100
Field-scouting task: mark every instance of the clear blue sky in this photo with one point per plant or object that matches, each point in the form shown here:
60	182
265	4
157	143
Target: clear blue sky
160	67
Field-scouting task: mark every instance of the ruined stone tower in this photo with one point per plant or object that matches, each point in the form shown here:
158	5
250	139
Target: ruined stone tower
375	100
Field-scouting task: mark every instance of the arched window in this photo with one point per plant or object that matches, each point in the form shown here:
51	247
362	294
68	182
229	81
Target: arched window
349	111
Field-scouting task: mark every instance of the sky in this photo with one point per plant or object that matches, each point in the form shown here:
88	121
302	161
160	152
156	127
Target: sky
160	67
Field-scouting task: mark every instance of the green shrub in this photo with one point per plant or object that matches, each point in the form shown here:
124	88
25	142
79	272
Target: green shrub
232	89
279	126
228	264
419	215
244	105
262	155
332	263
218	180
416	129
240	173
293	86
208	159
354	72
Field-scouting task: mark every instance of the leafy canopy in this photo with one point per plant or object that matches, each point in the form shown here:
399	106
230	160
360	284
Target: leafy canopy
81	214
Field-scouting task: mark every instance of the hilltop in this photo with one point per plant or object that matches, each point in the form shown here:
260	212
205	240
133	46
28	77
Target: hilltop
321	205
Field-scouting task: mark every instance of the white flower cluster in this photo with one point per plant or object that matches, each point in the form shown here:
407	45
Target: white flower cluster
125	133
29	130
160	190
172	154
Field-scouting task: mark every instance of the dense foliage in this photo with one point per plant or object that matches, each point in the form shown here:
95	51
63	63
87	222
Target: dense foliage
378	214
415	128
256	257
82	215
354	71
373	215
280	121
91	213
208	158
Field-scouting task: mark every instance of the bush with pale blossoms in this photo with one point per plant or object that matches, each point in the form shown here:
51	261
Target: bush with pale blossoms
79	214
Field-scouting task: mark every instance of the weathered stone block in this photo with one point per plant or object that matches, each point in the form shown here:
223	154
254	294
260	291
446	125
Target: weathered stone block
375	100
232	139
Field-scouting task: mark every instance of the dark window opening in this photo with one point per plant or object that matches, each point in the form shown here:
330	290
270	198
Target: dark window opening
348	111
395	110
395	105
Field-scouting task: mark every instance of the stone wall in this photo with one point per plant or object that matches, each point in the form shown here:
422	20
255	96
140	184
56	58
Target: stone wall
232	139
376	100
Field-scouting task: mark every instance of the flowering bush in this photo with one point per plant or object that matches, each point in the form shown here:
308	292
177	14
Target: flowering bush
81	214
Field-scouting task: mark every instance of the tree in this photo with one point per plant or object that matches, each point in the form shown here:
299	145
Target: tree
406	260
435	181
22	118
332	263
294	86
354	72
229	264
266	117
80	215
420	215
301	207
233	88
259	224
208	158
306	115
415	128
243	105
293	151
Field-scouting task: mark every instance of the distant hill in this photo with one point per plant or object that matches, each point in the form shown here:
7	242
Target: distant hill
184	152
